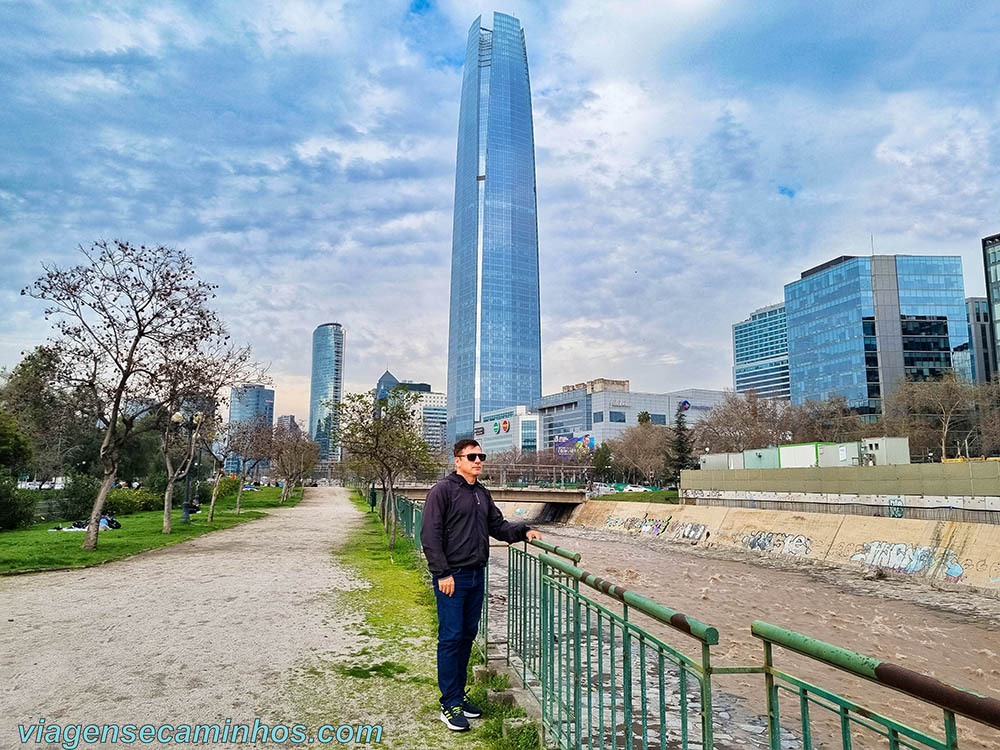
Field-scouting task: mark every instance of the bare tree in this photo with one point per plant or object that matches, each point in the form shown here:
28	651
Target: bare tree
740	422
988	405
192	392
643	447
252	441
944	406
215	439
293	456
119	315
830	421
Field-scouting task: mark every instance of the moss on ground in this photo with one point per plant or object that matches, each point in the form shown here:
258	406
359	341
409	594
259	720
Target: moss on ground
388	675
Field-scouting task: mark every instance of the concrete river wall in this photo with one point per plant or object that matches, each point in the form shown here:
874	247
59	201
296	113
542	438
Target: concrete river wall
944	551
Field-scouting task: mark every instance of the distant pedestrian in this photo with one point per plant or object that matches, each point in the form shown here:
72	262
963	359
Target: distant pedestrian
459	517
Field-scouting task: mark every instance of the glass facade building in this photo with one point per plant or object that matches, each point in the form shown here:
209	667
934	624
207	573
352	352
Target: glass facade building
326	388
760	354
857	326
981	342
249	402
991	265
494	333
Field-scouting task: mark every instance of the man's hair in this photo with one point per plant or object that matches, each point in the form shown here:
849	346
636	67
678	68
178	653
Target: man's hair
461	445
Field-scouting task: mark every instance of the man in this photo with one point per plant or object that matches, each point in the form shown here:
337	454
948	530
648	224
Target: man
459	518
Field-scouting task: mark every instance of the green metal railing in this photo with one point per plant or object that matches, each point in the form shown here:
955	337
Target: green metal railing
603	680
858	724
607	682
524	613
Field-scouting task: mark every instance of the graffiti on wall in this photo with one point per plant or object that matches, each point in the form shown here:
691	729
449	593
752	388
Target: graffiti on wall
796	545
689	531
636	525
911	559
896	507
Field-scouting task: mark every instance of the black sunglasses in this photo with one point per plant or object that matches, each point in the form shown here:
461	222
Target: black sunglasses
474	456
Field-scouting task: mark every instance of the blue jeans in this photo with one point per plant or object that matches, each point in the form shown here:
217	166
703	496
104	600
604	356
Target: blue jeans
458	625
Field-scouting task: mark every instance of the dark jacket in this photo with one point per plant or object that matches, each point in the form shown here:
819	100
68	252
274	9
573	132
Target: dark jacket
458	520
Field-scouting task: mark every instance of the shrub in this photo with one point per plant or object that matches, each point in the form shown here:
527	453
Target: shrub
78	496
122	501
17	508
228	487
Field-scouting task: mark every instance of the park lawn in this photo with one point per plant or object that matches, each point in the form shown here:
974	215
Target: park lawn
659	496
38	548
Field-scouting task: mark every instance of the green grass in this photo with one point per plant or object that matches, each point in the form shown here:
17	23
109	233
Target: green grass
659	496
38	548
390	674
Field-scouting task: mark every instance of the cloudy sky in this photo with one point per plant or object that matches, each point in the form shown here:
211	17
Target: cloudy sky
692	158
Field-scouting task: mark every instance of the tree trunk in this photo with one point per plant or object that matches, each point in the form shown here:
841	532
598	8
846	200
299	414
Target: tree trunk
215	493
94	526
168	502
284	492
392	510
239	493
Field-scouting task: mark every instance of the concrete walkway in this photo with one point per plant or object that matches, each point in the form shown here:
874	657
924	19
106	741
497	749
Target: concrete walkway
195	633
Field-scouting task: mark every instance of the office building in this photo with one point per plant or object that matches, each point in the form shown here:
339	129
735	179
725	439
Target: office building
585	411
857	326
991	265
434	420
981	342
432	408
248	403
288	422
494	333
326	388
760	354
511	430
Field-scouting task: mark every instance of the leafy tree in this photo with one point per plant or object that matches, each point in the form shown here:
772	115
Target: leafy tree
57	421
17	507
681	455
15	448
602	462
643	417
384	433
124	317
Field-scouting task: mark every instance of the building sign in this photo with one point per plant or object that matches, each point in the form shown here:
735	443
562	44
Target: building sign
620	403
479	431
505	425
496	428
685	405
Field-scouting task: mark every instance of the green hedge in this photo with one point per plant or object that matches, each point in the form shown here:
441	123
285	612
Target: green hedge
17	507
121	502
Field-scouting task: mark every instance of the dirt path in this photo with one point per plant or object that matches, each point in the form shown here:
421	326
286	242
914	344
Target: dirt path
195	633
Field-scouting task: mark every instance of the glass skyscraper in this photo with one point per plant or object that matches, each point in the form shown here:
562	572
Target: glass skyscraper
326	388
991	265
249	402
760	354
857	326
494	333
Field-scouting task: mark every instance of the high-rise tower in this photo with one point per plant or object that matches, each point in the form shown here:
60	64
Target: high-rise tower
326	388
494	333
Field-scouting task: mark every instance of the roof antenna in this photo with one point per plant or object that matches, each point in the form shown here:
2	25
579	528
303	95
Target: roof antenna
873	245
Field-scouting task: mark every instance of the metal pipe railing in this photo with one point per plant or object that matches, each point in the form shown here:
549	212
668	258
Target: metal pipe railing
947	697
555	550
